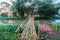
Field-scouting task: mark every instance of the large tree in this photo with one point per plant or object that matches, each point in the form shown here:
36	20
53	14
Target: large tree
46	9
18	7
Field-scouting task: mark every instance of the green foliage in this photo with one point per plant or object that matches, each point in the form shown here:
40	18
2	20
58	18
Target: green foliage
55	25
12	18
58	24
8	28
47	10
18	6
7	32
44	8
11	28
8	36
58	38
22	28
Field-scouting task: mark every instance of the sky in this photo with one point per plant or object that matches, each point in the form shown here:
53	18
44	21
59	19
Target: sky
58	0
8	1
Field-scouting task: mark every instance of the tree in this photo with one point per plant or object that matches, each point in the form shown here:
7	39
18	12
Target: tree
17	7
46	9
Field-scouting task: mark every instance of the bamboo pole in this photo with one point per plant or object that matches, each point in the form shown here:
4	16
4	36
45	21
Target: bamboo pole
18	29
56	26
20	25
